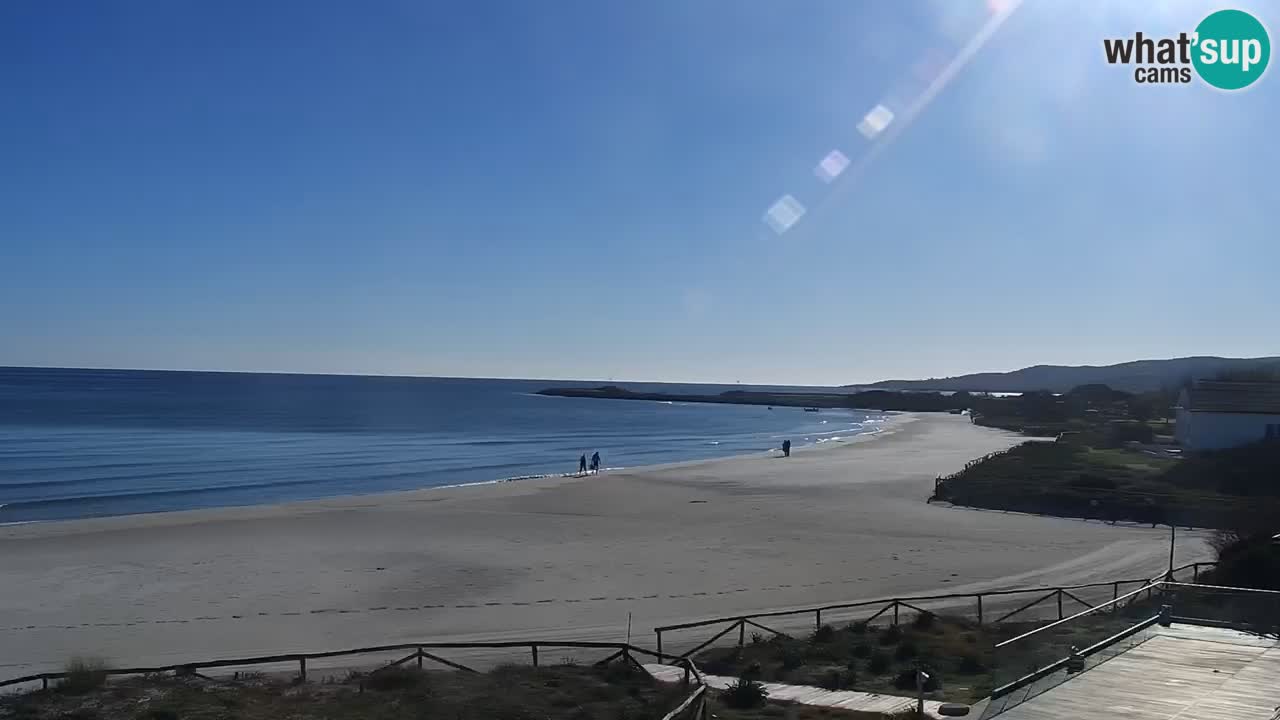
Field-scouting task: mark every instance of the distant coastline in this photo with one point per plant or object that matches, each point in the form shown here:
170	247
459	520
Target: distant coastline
870	400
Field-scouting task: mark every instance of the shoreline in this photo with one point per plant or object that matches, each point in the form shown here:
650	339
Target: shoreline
893	422
554	557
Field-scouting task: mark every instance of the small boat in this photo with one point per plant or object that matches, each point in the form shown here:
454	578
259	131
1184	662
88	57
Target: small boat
811	410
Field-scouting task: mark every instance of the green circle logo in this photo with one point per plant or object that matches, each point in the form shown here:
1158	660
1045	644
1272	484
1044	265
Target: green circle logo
1231	49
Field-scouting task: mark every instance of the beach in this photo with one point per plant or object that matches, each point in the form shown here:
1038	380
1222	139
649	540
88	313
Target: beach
565	558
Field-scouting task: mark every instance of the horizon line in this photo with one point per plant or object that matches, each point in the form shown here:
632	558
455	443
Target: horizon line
411	377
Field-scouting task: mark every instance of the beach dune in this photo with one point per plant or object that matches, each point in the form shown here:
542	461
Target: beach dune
567	558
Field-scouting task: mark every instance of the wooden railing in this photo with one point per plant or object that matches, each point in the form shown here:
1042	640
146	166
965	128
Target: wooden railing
968	465
1167	615
694	705
980	602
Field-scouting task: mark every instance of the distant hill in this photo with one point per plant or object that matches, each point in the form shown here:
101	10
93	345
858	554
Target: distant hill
1137	376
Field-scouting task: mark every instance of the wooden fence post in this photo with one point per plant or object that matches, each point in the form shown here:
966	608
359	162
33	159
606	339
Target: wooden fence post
1059	603
979	610
817	619
534	648
1195	572
742	632
44	683
419	657
895	612
302	669
661	657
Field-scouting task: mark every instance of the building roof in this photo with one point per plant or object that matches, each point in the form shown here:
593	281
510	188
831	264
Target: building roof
1233	397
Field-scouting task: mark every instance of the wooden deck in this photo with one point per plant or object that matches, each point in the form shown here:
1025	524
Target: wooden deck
1183	672
873	704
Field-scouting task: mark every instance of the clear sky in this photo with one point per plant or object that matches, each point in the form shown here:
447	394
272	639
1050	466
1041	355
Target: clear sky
575	189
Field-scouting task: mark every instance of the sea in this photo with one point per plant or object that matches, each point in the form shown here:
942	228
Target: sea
88	443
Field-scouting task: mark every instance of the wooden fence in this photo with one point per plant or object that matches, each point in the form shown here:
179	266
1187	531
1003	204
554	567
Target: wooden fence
943	478
693	707
979	602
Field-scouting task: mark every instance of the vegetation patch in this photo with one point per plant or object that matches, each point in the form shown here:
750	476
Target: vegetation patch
618	691
870	658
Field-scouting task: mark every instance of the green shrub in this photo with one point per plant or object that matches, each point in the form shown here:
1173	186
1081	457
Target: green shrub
906	650
1093	482
621	672
891	636
744	694
823	634
970	664
924	621
879	663
832	680
791	659
858	628
861	650
84	674
395	678
720	663
906	680
756	638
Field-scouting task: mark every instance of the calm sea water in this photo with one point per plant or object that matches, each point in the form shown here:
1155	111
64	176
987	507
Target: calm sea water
84	443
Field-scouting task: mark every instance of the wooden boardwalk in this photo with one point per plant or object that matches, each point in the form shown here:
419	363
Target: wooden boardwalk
872	704
1183	672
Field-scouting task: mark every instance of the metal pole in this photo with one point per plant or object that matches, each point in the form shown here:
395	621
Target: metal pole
919	692
1173	530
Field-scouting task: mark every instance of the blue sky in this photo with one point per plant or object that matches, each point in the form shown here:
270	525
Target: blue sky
576	189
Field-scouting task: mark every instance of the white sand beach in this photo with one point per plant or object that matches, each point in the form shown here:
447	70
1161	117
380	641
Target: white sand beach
563	558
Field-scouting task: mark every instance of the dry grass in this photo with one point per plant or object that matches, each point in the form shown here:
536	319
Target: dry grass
615	692
84	674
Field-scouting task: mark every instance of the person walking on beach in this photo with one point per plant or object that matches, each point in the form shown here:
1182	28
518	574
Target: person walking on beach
582	464
595	462
786	448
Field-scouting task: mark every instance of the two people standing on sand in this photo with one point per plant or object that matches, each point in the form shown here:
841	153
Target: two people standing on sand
595	463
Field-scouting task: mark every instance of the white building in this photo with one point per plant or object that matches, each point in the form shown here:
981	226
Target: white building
1217	414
